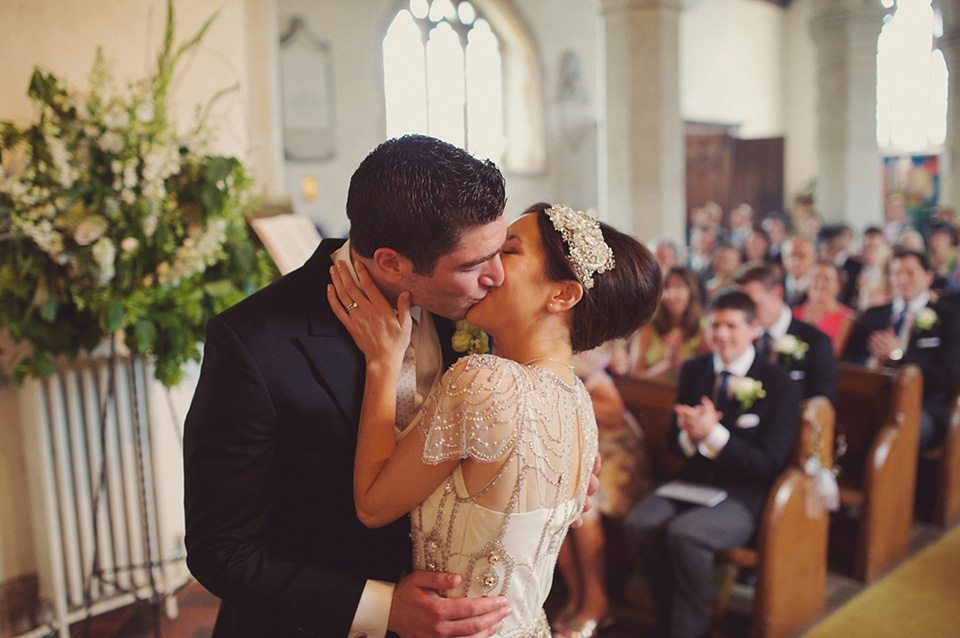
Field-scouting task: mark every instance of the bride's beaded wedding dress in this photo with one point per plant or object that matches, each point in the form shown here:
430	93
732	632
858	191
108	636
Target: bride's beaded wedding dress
527	441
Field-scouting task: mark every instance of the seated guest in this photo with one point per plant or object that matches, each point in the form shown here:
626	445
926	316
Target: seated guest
726	259
873	288
913	329
823	310
911	239
799	256
741	223
756	246
942	254
675	334
735	422
805	352
834	245
666	253
775	226
703	241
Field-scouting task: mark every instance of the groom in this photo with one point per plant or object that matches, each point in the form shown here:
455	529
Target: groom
270	437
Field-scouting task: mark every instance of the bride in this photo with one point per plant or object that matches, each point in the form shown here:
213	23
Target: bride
495	466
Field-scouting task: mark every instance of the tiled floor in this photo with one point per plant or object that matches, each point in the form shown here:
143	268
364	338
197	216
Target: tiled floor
197	612
198	609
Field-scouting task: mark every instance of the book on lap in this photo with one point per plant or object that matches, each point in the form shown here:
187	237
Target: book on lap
691	493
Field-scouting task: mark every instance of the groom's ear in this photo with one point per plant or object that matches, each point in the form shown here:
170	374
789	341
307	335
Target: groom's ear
565	296
390	264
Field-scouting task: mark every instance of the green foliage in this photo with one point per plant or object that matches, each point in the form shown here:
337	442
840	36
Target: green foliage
111	222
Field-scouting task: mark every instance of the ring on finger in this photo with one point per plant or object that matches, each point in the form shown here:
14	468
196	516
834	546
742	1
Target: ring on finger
351	306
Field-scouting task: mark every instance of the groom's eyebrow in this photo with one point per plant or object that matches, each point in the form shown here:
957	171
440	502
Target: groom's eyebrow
485	258
480	260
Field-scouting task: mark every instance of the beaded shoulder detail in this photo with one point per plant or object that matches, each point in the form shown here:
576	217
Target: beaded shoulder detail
475	410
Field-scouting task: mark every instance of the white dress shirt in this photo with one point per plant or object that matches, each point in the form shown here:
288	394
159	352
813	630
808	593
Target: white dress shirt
373	611
719	436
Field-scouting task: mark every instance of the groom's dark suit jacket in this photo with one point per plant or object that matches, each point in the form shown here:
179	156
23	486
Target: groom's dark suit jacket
754	456
936	351
269	444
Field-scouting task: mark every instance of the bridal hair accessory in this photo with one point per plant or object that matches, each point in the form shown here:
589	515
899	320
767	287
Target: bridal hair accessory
589	253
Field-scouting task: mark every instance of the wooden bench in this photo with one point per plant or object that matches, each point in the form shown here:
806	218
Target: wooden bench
939	472
878	418
790	552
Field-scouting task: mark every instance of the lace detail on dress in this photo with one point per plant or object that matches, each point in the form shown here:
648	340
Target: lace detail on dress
533	438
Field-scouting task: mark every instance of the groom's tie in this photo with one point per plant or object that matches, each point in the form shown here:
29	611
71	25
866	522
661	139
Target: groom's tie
407	387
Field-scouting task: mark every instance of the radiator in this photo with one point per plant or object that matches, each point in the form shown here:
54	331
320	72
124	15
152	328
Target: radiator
98	500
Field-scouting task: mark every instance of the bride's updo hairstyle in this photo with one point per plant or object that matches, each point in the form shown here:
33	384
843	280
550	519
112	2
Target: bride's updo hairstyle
621	299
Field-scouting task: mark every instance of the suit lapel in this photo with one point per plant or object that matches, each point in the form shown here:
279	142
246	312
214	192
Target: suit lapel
338	363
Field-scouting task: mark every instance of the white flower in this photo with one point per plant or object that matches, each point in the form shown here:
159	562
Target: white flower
89	230
111	142
116	118
150	224
791	346
145	112
926	319
747	390
129	244
104	253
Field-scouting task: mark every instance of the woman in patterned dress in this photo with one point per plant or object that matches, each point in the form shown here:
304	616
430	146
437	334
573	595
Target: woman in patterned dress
495	466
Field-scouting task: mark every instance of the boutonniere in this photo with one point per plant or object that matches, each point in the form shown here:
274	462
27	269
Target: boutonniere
746	391
791	347
926	319
470	339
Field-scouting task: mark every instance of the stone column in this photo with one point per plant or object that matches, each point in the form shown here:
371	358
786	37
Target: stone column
849	175
641	145
949	44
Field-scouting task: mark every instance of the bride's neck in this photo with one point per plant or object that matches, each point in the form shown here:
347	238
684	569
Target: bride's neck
549	348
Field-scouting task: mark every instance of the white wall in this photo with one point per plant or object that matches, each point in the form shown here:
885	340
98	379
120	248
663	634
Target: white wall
731	65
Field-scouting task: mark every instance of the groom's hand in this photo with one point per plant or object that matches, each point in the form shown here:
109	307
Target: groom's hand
419	611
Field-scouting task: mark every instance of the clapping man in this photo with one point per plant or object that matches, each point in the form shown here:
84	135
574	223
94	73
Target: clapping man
735	422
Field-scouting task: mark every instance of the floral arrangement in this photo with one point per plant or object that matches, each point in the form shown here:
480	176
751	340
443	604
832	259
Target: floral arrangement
114	224
791	347
469	339
747	391
926	319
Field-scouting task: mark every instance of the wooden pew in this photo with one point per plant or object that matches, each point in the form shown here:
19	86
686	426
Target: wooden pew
939	472
790	553
878	416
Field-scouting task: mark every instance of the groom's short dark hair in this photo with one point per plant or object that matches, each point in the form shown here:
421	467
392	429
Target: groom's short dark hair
417	195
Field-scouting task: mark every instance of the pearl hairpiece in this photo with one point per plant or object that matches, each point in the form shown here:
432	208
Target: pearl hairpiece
588	252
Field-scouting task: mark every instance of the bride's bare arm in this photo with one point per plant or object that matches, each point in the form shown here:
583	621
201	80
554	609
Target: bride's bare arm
389	480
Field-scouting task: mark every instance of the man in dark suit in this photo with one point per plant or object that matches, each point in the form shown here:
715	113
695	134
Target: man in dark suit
270	437
913	329
801	349
735	421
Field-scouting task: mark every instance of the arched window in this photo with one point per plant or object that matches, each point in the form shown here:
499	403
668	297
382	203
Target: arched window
444	64
911	79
